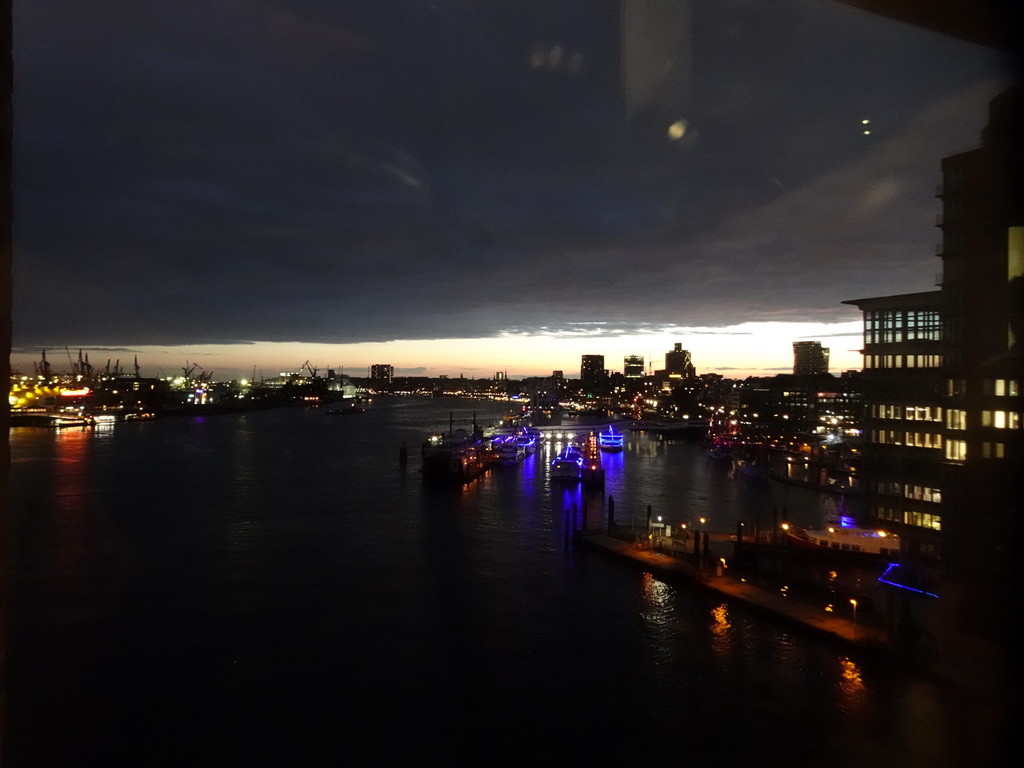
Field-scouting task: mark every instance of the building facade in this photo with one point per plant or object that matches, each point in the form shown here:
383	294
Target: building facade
633	366
903	425
593	376
382	373
982	251
679	364
809	358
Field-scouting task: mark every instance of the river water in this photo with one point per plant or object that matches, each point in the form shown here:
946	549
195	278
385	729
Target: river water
276	588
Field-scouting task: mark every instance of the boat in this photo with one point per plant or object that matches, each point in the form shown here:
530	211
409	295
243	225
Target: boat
723	447
55	419
346	411
611	440
457	456
752	468
567	465
752	460
507	449
528	440
139	416
845	535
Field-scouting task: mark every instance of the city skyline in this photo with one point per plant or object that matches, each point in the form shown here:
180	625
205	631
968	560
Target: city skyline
459	192
736	352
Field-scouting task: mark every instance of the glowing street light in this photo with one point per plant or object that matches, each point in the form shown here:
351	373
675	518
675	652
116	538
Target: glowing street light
853	602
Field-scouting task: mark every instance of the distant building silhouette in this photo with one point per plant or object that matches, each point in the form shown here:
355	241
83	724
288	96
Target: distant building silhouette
678	363
809	358
633	366
382	373
593	376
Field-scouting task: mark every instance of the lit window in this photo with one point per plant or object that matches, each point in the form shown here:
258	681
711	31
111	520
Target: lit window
956	450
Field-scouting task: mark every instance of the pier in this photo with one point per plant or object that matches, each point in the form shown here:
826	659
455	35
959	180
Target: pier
633	546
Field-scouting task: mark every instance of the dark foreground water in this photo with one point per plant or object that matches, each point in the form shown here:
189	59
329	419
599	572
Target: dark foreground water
273	588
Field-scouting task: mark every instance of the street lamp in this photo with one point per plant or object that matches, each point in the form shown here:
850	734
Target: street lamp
853	602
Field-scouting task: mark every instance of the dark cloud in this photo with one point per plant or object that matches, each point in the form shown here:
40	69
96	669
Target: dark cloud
364	171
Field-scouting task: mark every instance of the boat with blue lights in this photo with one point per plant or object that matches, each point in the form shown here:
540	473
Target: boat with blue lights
567	465
528	440
611	440
845	535
507	449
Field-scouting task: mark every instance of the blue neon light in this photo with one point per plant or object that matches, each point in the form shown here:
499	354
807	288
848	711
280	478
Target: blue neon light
891	583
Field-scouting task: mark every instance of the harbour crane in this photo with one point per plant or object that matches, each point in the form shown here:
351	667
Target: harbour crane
312	371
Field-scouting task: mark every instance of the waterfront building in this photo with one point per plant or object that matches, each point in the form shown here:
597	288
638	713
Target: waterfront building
901	467
824	406
982	251
942	377
809	358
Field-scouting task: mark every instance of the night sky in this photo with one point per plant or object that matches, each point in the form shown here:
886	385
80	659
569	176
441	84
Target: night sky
336	172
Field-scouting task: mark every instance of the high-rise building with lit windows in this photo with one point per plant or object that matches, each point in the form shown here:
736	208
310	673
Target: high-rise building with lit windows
902	384
809	358
633	366
982	251
593	375
382	373
943	376
678	363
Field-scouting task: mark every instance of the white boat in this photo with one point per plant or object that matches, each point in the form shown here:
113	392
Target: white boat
567	465
508	449
528	441
846	536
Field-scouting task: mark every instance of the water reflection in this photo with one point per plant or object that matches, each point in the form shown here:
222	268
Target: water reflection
658	614
721	635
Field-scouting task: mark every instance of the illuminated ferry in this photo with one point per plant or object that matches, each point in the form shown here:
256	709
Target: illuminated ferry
610	440
508	449
567	465
528	441
846	536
